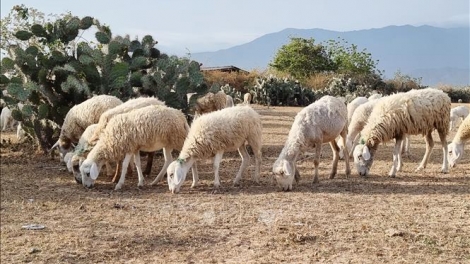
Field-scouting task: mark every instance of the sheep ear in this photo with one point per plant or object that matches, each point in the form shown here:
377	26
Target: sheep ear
365	153
94	171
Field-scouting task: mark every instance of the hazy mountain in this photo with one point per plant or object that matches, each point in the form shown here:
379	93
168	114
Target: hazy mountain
438	55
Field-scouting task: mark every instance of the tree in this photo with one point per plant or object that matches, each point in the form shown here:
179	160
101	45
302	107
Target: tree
349	60
302	58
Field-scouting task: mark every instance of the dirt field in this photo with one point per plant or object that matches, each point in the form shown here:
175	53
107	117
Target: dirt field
414	218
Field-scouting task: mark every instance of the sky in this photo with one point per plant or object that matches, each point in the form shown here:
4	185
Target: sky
190	26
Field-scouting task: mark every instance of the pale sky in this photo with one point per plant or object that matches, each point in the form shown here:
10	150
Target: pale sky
182	26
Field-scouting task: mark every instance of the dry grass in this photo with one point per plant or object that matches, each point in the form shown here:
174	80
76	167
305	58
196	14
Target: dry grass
416	217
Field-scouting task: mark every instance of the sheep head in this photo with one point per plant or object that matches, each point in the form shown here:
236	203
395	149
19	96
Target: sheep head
176	174
363	158
284	172
455	152
89	171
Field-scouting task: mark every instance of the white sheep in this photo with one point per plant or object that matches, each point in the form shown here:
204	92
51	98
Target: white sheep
457	114
79	117
375	96
210	102
457	146
354	104
247	97
147	129
411	113
6	120
74	159
213	134
229	101
127	106
320	122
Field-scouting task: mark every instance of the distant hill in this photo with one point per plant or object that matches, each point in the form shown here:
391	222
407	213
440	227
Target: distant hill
438	55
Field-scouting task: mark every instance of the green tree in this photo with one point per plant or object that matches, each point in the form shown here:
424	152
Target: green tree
302	58
348	59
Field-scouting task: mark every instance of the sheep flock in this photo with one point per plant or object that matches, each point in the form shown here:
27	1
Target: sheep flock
104	130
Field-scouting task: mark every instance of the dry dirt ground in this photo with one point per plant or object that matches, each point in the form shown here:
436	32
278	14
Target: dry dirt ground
413	218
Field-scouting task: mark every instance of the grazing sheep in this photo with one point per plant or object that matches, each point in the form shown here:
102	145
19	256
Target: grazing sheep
411	113
456	114
354	104
247	98
213	134
145	129
229	101
459	101
74	159
320	122
457	146
125	107
80	117
210	102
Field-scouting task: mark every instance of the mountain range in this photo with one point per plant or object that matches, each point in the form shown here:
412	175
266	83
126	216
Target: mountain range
437	55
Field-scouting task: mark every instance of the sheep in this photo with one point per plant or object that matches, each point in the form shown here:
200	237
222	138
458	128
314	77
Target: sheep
80	117
145	129
213	134
375	96
414	112
210	102
74	159
354	104
122	108
6	120
357	123
229	101
247	97
457	146
456	114
320	122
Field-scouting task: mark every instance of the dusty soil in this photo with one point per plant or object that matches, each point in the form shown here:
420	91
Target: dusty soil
415	217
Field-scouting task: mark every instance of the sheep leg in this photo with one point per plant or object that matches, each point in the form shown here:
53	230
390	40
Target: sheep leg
118	171
445	161
148	168
335	148
397	162
245	162
138	166
195	175
168	160
429	146
125	164
316	161
346	150
217	160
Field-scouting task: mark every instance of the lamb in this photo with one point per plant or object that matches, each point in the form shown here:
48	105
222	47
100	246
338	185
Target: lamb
456	114
213	134
247	98
80	117
210	102
457	146
320	122
411	113
145	129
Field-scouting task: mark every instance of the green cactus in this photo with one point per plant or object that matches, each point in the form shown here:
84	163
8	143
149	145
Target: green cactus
66	71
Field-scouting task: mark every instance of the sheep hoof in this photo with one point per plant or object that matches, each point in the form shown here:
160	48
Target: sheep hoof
315	180
332	176
118	187
236	184
419	169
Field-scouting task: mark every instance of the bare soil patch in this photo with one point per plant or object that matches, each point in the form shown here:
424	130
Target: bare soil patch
416	217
